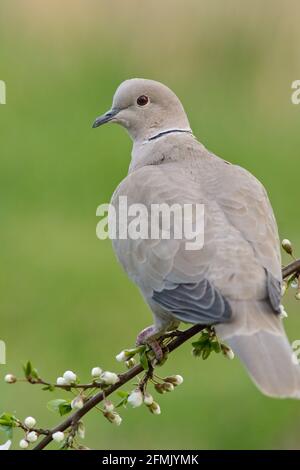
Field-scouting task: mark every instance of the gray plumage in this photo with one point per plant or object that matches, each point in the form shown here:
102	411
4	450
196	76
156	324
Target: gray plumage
234	281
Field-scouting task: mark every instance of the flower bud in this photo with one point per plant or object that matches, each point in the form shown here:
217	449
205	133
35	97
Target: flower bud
23	444
69	376
30	422
61	381
287	246
294	284
148	399
283	288
121	357
109	378
155	408
283	313
10	379
58	436
135	398
227	351
114	418
130	363
168	387
108	406
160	388
174	379
77	403
96	372
32	436
81	430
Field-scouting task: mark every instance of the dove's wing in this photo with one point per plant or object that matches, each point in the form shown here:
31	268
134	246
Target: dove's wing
246	206
195	286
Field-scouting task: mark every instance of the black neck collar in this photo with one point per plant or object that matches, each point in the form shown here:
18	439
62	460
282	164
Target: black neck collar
169	131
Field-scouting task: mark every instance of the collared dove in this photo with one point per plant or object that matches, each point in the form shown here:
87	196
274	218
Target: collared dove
234	281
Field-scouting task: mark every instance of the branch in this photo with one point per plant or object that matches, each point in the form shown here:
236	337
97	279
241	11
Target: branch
292	268
124	378
181	338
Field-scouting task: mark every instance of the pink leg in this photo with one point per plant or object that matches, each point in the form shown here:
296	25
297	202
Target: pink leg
147	337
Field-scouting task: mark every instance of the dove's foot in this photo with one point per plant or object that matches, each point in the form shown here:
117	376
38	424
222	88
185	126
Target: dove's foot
147	337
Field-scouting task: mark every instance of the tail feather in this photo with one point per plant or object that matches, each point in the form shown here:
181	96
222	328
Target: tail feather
257	336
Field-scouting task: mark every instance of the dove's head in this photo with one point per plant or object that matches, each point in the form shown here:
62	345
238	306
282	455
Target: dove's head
145	108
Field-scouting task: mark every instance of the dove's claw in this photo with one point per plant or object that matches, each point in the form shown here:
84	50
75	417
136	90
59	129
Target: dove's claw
147	337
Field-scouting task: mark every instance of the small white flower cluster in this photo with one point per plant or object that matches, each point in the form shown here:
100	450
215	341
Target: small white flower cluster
31	435
137	398
67	379
106	377
127	356
169	384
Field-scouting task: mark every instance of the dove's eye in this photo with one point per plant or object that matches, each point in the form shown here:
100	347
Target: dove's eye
142	100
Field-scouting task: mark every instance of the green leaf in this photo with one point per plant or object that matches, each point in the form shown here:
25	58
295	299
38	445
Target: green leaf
144	360
122	394
29	371
53	405
49	388
206	352
216	346
8	430
64	408
122	402
6	419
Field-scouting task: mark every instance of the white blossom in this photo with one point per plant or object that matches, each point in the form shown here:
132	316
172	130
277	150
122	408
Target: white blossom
96	372
32	436
69	376
10	379
58	436
77	403
121	357
109	378
23	444
30	422
61	381
148	399
135	398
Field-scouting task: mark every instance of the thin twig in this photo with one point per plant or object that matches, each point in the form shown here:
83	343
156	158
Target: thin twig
184	336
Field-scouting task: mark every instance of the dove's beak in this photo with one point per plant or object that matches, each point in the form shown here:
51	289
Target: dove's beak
105	117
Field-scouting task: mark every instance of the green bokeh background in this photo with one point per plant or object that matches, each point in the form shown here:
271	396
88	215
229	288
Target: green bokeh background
65	302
